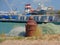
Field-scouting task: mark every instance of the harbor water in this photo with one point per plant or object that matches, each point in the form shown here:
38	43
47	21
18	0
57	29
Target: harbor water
16	28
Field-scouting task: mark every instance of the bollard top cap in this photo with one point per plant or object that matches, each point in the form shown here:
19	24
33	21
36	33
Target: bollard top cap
31	21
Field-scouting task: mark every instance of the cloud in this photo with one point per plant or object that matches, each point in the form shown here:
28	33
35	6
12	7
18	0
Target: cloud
41	1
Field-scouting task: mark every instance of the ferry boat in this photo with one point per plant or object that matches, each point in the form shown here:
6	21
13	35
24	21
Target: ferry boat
39	15
23	18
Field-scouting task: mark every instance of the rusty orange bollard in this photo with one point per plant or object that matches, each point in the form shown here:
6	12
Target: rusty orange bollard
30	27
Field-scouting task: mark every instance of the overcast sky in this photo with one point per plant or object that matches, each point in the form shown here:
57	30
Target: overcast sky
7	5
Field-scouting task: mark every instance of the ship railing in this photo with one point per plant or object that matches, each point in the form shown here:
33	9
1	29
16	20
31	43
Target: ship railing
38	18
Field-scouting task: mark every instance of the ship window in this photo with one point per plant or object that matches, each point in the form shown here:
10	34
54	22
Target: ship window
36	18
43	18
27	18
50	18
22	18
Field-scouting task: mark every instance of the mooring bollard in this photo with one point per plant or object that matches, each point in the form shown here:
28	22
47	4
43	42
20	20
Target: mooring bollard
30	27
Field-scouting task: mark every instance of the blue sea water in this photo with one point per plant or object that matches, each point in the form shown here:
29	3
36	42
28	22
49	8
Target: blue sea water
6	27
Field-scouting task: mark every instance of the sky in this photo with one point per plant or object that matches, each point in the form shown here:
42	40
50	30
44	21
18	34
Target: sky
8	5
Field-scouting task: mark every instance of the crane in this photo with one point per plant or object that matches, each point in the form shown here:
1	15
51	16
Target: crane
12	10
